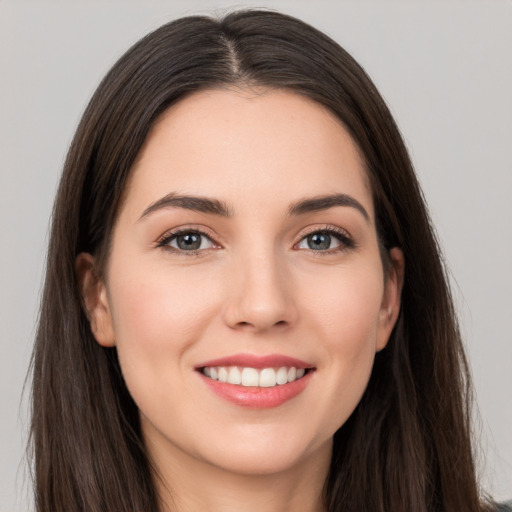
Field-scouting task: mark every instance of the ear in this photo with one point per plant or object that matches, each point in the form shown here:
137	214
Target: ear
390	307
94	300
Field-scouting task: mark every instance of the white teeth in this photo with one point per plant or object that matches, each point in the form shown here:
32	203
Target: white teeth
282	375
267	378
235	376
249	377
264	378
223	374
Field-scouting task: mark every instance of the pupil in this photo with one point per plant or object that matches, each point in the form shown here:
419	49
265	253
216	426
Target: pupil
189	241
319	241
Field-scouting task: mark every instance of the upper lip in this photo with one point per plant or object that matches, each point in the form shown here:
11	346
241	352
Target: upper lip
257	361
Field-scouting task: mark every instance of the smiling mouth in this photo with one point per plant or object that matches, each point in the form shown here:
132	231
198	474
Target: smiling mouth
253	377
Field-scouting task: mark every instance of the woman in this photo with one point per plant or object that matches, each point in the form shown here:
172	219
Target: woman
245	305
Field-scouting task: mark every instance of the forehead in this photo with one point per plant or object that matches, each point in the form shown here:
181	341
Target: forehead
227	143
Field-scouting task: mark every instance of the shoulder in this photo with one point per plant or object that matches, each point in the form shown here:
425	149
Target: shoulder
504	507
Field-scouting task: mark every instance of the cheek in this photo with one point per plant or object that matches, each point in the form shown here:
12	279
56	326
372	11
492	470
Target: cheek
346	306
155	305
157	316
345	316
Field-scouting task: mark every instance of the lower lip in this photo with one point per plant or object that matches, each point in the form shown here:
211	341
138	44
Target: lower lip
255	397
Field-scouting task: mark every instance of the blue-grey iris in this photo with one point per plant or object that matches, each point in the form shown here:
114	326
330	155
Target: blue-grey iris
189	241
319	241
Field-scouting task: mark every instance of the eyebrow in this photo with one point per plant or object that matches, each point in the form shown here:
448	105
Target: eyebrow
216	207
195	203
320	203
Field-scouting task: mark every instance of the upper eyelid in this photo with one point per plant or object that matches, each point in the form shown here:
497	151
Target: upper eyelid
202	230
322	229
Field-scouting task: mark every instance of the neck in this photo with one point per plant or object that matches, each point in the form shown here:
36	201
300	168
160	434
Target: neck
191	485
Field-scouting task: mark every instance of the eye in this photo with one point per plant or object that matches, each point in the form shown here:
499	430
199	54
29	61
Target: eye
325	240
187	241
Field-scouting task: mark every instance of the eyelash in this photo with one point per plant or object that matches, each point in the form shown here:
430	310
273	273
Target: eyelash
345	240
164	241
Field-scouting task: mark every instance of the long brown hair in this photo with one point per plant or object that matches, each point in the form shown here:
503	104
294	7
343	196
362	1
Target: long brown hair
407	445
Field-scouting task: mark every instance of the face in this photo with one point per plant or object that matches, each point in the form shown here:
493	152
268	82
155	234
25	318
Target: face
245	250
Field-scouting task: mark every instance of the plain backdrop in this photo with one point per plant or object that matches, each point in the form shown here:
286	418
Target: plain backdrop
445	68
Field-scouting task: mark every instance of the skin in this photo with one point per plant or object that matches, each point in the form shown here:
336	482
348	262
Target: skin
255	286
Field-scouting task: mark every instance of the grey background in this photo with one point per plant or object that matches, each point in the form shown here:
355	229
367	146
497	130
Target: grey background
445	68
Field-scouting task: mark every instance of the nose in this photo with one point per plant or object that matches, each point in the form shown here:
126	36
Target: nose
261	295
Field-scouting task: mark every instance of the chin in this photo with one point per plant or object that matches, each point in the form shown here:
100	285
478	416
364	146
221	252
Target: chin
267	456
